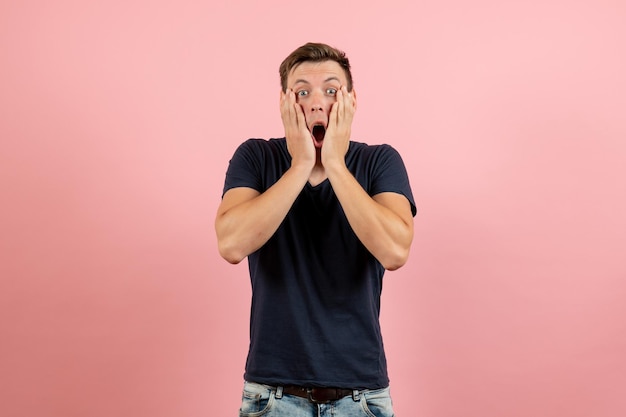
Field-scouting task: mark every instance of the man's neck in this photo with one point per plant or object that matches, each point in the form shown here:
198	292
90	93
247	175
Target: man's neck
318	174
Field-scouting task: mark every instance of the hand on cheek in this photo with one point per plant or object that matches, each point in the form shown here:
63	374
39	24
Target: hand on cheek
298	137
337	137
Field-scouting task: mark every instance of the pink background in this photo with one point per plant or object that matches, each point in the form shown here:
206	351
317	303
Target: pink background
117	121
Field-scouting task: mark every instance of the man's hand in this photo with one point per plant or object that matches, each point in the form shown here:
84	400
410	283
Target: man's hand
337	138
299	141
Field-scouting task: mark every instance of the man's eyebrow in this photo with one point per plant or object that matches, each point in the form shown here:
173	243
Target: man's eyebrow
302	81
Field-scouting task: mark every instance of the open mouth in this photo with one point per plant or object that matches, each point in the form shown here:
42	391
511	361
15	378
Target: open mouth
318	132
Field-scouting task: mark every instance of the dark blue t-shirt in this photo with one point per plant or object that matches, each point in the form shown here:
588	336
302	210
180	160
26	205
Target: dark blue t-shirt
315	287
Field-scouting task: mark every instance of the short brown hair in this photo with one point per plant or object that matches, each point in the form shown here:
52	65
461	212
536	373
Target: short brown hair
314	52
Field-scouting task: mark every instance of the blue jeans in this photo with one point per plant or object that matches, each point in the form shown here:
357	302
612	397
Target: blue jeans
262	400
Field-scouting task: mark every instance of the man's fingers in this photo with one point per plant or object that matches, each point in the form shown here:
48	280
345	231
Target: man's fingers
333	117
297	115
348	107
300	116
284	106
290	118
341	97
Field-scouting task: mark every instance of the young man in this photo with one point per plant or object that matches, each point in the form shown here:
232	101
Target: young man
320	218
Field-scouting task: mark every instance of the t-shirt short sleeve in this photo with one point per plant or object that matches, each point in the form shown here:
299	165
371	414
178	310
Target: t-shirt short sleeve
390	175
244	169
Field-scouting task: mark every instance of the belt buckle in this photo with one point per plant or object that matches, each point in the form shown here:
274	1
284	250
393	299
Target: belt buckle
316	400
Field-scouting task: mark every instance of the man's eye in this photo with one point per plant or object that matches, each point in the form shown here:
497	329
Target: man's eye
302	93
331	91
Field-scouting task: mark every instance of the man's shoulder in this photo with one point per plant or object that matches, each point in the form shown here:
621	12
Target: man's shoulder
369	147
263	146
260	142
361	150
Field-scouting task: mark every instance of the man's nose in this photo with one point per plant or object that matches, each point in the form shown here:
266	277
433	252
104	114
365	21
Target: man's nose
317	103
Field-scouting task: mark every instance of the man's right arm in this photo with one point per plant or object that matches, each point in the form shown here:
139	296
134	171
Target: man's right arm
246	219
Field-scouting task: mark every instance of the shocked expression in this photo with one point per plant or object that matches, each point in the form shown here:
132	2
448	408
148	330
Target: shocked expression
315	85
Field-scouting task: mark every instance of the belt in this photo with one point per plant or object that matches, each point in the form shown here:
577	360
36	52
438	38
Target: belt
318	395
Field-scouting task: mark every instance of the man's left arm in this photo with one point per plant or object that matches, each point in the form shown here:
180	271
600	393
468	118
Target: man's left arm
383	223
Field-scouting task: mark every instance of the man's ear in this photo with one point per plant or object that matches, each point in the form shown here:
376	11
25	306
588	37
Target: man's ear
353	92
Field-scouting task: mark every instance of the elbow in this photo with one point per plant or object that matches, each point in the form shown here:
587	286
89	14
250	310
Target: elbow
234	260
393	265
230	253
395	260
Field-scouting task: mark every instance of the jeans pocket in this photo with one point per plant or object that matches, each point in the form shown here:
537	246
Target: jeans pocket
377	403
256	400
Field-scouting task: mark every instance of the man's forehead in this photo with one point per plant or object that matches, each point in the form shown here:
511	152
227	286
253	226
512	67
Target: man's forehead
328	70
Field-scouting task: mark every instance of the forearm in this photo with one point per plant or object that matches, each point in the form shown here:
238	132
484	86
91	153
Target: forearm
382	231
245	226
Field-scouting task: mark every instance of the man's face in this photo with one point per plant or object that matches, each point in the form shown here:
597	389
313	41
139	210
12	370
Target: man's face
315	85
